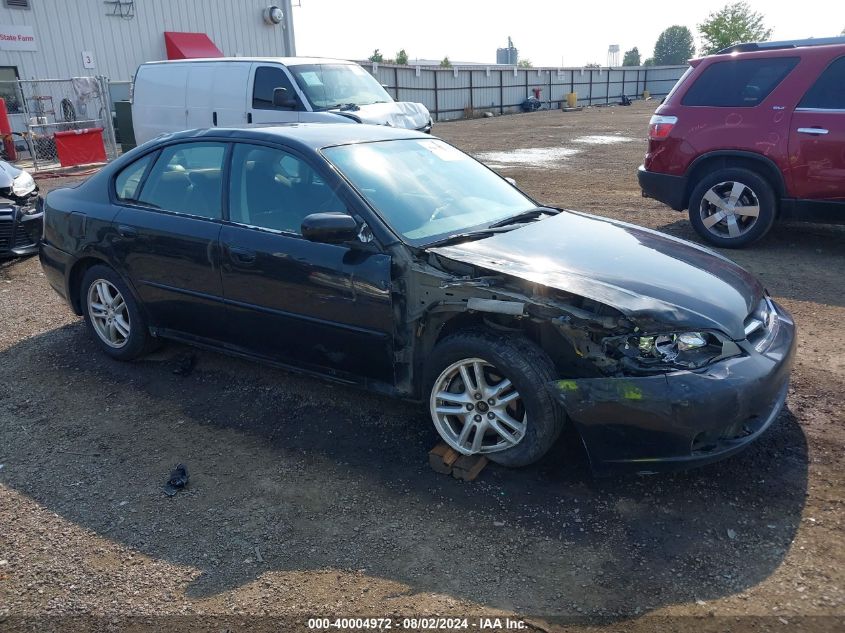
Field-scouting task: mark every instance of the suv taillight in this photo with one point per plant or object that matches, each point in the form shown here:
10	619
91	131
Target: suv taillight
660	126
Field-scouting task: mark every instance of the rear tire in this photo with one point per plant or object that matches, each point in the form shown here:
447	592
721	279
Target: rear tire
113	316
732	207
510	408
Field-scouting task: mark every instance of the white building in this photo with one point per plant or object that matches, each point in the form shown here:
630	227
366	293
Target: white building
50	39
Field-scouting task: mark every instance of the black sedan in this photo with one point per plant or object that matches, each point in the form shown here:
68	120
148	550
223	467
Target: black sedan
391	260
20	212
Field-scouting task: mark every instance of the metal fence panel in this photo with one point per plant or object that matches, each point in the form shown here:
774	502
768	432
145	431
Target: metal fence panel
452	93
57	105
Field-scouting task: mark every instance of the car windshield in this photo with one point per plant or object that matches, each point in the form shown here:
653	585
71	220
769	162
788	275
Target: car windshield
336	85
425	189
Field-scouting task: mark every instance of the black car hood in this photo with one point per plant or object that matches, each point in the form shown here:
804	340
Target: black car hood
654	279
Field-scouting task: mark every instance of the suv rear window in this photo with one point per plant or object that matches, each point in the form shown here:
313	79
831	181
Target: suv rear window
741	83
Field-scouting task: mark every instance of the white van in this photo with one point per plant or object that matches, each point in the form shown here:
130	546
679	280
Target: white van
179	95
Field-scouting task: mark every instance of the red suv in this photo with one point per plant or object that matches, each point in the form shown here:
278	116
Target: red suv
752	134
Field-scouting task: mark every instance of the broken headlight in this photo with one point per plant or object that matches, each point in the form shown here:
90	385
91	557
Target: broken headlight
23	185
682	350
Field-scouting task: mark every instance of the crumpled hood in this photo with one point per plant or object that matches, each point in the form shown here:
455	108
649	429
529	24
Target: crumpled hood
654	279
401	114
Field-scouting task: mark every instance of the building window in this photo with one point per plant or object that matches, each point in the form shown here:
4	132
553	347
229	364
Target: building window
18	4
9	89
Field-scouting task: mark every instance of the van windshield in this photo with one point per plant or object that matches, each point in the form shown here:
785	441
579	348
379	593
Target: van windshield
329	86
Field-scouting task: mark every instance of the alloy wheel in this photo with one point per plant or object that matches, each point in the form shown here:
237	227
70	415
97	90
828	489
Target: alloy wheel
729	209
476	409
109	313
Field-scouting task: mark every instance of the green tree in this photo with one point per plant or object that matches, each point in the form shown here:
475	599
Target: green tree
445	63
732	24
525	63
376	57
674	46
402	58
632	57
649	61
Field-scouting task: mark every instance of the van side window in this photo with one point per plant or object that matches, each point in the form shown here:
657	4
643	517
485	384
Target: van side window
267	79
276	190
187	178
127	181
828	93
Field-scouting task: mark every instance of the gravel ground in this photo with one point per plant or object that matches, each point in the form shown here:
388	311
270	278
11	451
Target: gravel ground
312	499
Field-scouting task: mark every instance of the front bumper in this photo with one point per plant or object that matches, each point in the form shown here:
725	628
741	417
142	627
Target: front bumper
19	232
666	188
685	418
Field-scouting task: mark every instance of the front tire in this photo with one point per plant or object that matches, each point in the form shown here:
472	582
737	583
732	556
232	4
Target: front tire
488	395
732	207
112	314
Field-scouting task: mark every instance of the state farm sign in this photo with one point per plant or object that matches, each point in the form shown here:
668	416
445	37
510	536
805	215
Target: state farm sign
17	38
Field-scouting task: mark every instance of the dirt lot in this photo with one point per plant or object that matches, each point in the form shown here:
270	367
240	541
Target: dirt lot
309	499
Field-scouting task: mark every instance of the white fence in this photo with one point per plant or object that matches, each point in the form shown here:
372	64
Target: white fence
453	93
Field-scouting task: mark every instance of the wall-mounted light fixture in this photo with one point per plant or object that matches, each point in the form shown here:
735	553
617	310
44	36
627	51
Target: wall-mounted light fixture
273	15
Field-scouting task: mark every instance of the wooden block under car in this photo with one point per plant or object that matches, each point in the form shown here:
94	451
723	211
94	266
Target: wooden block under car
467	467
441	458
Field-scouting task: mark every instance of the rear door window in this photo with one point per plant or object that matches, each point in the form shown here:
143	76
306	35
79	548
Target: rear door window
128	180
828	93
187	178
741	83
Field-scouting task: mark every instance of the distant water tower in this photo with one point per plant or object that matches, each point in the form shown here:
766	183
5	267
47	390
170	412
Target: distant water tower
613	55
508	56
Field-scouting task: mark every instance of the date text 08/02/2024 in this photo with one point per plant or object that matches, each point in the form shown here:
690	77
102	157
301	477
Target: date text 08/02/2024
415	624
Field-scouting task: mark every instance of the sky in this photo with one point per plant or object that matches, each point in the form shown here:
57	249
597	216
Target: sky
549	33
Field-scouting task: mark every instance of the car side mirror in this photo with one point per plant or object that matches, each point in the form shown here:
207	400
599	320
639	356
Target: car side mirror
281	99
331	227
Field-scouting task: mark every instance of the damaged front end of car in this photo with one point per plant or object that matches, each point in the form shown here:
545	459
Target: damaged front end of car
646	389
21	213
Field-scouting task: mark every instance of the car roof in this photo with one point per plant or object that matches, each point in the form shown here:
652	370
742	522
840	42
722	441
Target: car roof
287	61
775	50
307	136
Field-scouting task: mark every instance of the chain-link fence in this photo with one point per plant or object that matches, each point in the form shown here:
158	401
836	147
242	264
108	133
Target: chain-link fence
41	108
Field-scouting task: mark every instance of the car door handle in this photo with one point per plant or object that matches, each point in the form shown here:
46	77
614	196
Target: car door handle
249	117
241	255
214	118
812	130
129	232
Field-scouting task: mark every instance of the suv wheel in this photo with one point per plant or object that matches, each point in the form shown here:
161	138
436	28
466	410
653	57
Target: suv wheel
488	395
732	207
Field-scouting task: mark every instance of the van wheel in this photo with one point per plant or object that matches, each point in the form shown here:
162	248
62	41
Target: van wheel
488	395
732	207
112	315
